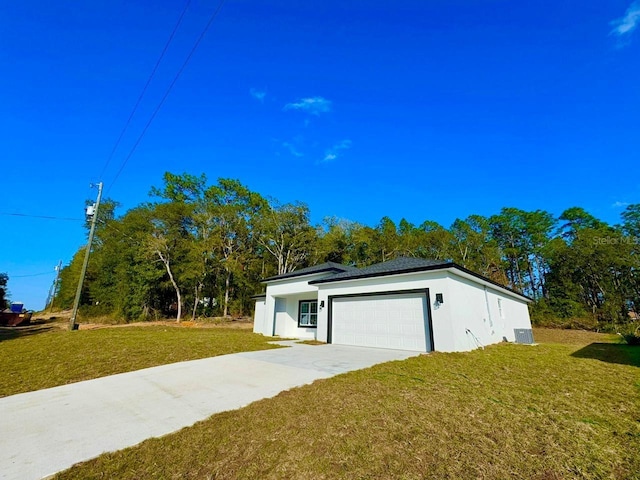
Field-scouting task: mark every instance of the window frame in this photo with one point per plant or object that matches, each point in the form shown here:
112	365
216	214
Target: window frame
309	313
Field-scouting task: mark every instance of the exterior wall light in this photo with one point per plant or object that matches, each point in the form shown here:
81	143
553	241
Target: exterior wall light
439	298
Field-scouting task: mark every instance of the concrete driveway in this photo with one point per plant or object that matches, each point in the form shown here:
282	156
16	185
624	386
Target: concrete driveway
47	431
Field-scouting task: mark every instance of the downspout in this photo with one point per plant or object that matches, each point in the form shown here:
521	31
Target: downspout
486	301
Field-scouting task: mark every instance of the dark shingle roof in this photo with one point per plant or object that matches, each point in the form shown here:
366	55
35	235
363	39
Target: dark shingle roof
392	267
406	265
398	265
323	267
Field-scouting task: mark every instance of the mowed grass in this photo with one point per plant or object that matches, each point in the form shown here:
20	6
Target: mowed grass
567	408
48	358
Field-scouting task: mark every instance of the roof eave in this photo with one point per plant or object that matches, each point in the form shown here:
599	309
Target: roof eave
425	268
276	278
428	268
492	282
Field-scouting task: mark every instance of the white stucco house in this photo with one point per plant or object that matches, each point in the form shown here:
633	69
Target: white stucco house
406	303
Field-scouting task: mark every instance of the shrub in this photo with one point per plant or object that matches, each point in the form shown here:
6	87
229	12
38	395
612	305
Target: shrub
632	339
630	332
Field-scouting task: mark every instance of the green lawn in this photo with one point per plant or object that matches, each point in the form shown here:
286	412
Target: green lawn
567	408
46	357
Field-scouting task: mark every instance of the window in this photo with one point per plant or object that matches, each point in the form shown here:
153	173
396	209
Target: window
308	313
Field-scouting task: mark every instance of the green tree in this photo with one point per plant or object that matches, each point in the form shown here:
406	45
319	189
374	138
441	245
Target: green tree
508	230
169	242
335	241
365	250
130	284
4	280
473	247
576	219
232	209
588	275
631	222
387	240
523	237
435	241
285	233
69	277
410	239
175	229
538	228
184	188
631	229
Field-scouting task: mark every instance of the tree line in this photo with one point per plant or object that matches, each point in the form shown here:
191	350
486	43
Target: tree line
198	249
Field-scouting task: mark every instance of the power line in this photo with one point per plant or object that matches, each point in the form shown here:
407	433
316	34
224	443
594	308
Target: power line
42	216
112	226
144	89
30	275
213	16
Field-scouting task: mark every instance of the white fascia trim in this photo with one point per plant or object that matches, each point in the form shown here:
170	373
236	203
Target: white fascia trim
374	277
450	270
308	277
487	284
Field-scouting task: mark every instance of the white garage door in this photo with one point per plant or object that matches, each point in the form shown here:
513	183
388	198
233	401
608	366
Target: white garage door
396	321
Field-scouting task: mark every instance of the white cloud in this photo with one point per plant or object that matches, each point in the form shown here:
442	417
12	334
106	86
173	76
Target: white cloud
627	24
312	105
619	204
292	149
333	152
258	94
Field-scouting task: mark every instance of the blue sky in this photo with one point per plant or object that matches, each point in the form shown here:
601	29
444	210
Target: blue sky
416	109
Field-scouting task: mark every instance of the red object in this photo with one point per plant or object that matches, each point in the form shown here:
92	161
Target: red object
11	319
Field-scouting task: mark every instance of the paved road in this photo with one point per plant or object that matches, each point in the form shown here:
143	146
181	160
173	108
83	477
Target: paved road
47	431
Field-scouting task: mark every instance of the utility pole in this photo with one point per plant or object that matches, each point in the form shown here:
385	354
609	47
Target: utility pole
54	287
90	211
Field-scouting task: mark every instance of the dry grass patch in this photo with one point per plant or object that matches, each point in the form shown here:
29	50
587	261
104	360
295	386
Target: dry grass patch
46	356
312	342
572	337
215	322
509	411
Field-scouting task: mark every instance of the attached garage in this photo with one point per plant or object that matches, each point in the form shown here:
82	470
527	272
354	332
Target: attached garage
409	304
398	320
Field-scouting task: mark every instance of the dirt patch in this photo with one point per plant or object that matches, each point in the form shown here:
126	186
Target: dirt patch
244	323
60	320
312	342
37	325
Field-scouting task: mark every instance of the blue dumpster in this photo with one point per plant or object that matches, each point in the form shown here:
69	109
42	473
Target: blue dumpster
17	307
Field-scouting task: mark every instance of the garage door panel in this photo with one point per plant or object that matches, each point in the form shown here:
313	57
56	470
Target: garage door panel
387	321
394	329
